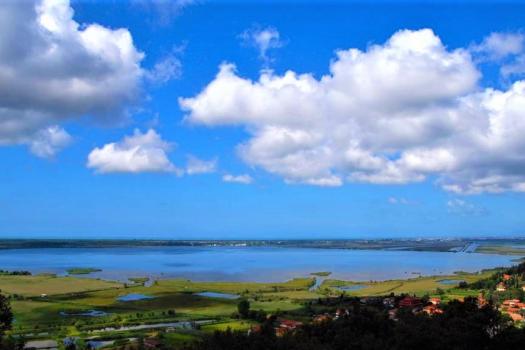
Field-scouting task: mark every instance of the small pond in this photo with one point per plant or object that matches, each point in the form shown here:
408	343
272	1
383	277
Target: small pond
352	288
218	295
134	297
451	282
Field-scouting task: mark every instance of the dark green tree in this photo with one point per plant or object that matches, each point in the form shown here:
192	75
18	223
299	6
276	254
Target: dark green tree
6	320
243	308
6	315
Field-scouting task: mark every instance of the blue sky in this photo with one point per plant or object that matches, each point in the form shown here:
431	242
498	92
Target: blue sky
162	147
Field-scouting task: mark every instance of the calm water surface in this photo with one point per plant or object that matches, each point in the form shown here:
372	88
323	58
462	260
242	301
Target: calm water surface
246	263
133	297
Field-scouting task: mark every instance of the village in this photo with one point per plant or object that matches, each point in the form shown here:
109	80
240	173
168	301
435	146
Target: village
507	284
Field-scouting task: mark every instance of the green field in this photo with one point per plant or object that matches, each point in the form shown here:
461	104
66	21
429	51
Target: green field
29	286
52	306
38	301
418	286
501	249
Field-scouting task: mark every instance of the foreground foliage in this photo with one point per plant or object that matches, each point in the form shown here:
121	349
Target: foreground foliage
462	326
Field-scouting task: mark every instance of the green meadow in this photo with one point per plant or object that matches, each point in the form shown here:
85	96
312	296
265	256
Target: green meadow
48	306
418	286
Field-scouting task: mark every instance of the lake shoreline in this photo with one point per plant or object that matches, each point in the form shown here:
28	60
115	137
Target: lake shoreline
245	264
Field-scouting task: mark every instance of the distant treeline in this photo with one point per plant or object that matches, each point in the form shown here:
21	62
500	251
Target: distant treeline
386	244
92	243
15	273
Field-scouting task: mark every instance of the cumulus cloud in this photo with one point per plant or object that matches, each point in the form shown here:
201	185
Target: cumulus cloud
506	49
263	39
244	179
198	166
48	142
54	69
497	46
399	112
140	152
464	208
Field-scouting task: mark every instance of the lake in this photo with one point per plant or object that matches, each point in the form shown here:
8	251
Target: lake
352	288
261	264
133	297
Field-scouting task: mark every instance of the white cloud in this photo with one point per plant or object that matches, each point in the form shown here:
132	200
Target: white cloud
516	67
198	166
395	113
399	201
507	49
240	179
141	152
54	69
48	142
166	68
497	46
463	208
263	39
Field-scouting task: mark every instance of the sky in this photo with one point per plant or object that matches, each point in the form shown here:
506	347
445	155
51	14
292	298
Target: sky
203	119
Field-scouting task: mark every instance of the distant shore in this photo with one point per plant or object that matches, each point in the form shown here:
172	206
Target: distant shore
508	246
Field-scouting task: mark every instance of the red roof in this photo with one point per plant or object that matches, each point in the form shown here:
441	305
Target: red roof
410	302
291	324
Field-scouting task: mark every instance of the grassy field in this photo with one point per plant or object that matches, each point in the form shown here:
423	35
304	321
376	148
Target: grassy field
239	325
501	249
78	295
173	300
233	287
418	286
49	284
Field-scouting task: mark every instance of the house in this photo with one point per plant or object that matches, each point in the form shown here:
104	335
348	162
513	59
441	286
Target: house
515	316
435	301
501	287
506	277
432	310
481	300
286	326
289	324
322	318
410	302
511	302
